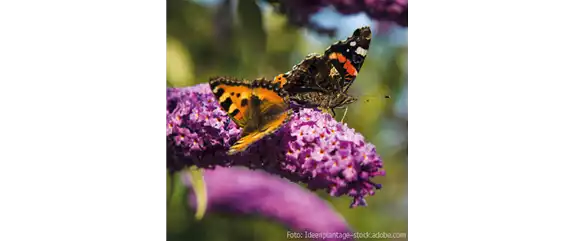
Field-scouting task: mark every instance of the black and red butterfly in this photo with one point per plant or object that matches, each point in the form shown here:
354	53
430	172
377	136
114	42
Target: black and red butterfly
323	80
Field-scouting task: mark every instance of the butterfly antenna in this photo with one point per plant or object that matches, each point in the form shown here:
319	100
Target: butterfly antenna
344	114
368	97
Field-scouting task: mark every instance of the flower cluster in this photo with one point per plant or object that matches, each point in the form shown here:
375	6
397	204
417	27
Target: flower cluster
312	147
242	191
299	11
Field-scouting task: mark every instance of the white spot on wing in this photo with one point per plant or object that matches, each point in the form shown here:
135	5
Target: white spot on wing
361	51
353	43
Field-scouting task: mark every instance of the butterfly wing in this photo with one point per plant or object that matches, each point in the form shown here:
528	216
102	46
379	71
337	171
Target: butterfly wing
348	56
267	110
311	74
233	95
273	107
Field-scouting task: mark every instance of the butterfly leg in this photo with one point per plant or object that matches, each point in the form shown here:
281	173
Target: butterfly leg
344	114
333	111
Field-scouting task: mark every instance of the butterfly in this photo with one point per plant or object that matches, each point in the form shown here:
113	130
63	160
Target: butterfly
323	80
259	107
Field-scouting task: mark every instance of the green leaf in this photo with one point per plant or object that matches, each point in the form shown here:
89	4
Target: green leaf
179	64
200	190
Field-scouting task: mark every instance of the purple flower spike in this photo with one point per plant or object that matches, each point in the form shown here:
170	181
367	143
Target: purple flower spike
312	147
242	191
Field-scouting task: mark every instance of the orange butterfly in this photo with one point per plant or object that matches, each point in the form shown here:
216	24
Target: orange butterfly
259	107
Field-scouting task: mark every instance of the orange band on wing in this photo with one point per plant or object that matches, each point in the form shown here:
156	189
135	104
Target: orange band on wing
350	68
280	79
341	58
333	56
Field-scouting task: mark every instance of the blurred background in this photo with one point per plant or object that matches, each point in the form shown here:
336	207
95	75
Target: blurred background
250	39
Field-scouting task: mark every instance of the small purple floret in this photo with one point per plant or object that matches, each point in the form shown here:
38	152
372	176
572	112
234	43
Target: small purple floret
312	147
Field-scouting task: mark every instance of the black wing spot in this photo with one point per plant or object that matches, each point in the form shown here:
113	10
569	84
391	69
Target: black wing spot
226	104
243	102
219	92
237	95
235	112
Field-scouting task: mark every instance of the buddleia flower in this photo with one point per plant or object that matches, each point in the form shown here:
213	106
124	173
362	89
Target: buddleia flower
246	192
311	148
300	12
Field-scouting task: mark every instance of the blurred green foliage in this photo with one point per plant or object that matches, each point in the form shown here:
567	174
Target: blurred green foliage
240	39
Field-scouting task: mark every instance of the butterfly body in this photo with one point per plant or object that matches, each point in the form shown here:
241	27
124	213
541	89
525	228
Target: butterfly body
260	107
320	100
